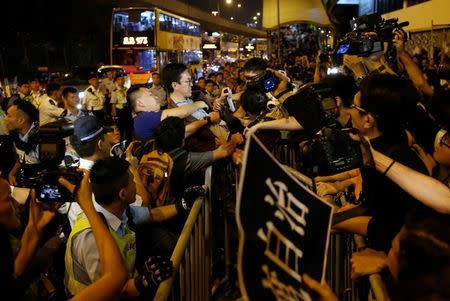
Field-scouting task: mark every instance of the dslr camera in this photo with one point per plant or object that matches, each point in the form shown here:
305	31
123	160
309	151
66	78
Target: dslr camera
330	150
43	177
265	82
368	34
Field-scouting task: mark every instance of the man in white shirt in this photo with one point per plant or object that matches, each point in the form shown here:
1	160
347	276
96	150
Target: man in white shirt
107	86
71	103
48	109
22	123
23	91
158	90
36	92
94	99
114	189
121	109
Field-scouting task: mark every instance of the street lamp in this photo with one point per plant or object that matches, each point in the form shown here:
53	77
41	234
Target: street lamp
258	14
254	18
239	5
229	1
231	18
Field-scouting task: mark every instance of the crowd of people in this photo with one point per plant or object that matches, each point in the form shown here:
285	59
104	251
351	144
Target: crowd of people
124	219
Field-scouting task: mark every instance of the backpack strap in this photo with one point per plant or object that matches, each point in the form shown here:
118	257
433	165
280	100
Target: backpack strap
176	153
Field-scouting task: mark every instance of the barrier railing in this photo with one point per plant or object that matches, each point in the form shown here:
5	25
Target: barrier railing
377	285
342	246
192	255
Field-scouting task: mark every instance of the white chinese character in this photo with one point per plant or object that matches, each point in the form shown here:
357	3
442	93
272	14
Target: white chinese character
281	291
289	207
281	250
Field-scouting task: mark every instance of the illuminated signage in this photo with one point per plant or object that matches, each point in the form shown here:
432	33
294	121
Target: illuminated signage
249	47
135	41
209	46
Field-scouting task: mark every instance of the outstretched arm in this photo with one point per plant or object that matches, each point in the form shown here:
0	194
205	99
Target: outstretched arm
184	111
287	124
29	244
424	188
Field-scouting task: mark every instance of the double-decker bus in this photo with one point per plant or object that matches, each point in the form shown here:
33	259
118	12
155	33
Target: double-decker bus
145	39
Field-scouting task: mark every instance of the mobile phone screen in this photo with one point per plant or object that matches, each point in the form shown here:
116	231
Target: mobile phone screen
50	193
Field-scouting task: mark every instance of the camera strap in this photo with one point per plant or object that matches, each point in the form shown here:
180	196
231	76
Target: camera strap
279	95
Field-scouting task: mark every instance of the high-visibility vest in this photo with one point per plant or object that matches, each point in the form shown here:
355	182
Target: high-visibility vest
121	98
126	244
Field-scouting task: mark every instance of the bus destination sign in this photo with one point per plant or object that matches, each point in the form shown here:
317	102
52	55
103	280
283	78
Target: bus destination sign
135	41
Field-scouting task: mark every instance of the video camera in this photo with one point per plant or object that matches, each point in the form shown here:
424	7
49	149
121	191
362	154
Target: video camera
368	34
43	177
330	150
266	82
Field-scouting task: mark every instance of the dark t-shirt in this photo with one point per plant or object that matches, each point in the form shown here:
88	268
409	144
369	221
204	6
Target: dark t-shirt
390	203
145	124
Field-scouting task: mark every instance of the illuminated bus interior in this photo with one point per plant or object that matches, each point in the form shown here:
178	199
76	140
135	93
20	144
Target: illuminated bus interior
144	60
134	27
176	25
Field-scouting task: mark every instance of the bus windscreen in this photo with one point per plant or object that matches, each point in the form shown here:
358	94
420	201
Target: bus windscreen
134	28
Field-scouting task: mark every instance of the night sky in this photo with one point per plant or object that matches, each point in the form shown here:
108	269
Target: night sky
244	14
64	34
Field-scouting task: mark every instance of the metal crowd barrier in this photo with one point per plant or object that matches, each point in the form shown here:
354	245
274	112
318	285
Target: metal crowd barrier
338	274
285	152
192	255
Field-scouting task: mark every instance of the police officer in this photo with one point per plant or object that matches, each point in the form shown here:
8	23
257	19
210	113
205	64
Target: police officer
121	110
158	90
22	122
36	92
48	109
107	86
93	99
23	91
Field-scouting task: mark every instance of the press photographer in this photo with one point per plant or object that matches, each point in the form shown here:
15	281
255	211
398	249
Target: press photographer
369	35
50	144
260	78
370	47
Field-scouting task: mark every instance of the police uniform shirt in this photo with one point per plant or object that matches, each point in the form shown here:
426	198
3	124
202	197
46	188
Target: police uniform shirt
119	97
16	96
37	98
31	157
93	99
71	117
49	111
84	247
107	86
73	209
161	94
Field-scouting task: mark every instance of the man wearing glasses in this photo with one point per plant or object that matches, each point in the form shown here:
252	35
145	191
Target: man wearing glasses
177	79
380	112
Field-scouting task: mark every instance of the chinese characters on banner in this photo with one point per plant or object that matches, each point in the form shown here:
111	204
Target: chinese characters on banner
283	230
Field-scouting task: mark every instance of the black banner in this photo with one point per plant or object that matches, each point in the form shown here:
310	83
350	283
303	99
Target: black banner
284	230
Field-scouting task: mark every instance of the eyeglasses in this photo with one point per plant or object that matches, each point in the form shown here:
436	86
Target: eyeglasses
445	140
189	82
361	110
